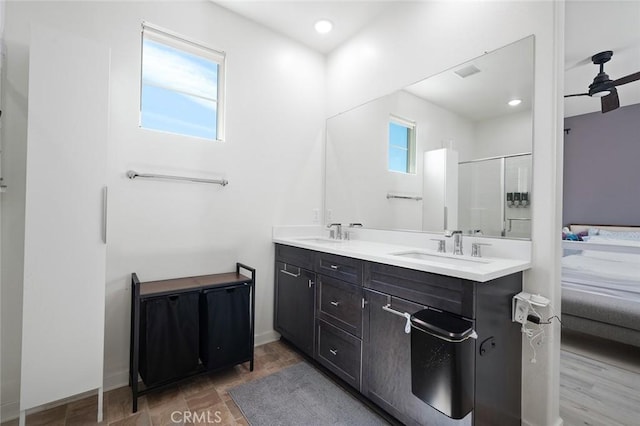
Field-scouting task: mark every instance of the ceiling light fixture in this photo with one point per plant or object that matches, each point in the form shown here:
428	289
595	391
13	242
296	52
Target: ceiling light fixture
515	102
323	26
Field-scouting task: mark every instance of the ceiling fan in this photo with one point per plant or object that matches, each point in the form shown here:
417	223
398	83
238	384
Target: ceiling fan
605	88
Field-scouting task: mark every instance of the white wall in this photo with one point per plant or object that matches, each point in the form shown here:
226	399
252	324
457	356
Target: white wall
358	179
272	158
423	38
504	135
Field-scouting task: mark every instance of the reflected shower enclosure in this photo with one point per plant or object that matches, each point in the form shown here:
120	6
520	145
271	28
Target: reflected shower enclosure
495	196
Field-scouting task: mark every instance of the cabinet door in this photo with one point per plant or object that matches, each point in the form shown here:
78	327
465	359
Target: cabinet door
295	303
64	242
387	363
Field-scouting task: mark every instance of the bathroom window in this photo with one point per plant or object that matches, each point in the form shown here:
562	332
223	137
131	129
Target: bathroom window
182	85
402	145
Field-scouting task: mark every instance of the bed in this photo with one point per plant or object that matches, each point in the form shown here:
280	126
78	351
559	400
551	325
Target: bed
601	282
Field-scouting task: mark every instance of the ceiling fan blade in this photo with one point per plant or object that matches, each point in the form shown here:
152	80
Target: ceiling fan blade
627	79
610	102
577	94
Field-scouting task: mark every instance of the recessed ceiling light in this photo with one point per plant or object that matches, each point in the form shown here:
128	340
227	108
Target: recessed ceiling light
515	102
323	26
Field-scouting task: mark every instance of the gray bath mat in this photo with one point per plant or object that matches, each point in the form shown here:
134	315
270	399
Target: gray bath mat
300	395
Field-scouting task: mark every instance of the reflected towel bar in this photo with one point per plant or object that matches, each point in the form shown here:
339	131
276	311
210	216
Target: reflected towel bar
403	197
131	174
511	219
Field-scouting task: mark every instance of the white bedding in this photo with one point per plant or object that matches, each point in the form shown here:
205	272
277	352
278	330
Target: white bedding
607	276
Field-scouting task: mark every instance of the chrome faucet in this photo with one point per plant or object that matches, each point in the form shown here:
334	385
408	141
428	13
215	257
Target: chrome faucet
457	240
337	233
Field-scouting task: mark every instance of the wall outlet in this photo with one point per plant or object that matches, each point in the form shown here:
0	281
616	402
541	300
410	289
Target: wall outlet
520	311
316	216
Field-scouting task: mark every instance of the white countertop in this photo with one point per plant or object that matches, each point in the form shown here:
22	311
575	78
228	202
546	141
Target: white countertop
465	267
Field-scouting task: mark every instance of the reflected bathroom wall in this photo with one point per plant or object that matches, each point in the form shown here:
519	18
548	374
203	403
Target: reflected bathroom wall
518	188
495	196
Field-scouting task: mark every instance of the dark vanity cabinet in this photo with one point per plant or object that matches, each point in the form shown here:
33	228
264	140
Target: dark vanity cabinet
295	286
339	305
387	361
361	331
390	292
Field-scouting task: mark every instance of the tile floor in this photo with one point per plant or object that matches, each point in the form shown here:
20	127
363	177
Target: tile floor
201	395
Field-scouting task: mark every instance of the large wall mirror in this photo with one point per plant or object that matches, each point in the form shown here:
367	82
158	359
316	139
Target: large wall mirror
448	152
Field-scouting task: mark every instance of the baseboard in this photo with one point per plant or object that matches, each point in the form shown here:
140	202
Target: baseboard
116	380
558	422
266	337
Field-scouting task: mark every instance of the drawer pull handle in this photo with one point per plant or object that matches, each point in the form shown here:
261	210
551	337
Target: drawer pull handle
334	303
334	267
310	283
334	352
284	271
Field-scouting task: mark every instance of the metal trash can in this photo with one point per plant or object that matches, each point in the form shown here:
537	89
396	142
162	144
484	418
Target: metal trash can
443	362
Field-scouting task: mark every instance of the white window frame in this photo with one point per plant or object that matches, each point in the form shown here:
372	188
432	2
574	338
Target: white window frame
180	42
411	148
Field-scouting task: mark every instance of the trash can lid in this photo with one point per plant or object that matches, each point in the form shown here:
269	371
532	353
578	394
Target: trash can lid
442	324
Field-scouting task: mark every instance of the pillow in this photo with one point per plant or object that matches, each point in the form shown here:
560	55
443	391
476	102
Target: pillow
610	255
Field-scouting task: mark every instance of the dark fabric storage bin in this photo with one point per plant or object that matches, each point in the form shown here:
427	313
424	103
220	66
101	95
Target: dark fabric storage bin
443	362
168	337
225	326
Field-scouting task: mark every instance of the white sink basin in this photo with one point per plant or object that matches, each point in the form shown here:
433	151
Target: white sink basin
440	258
320	240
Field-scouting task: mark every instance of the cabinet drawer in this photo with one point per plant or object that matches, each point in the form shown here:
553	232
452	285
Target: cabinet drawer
295	256
439	291
343	268
340	352
340	304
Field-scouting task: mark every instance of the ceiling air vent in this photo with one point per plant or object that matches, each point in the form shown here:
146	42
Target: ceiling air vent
467	71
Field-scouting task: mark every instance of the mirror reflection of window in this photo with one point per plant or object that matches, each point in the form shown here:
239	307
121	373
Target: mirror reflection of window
402	145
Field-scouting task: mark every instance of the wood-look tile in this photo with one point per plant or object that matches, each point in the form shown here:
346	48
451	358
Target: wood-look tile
83	419
164	397
140	418
54	416
234	410
196	386
203	400
84	406
216	414
170	413
119	405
